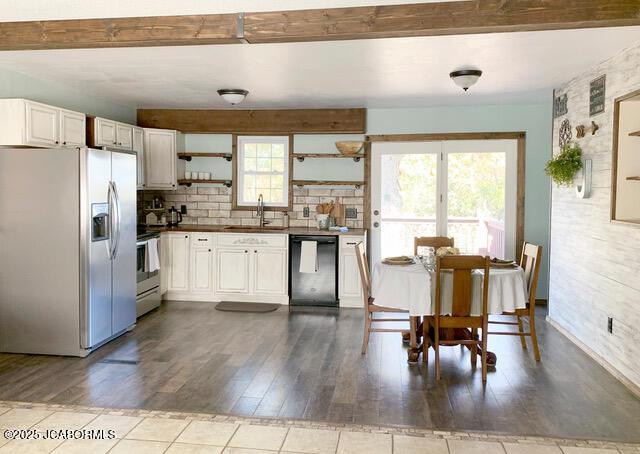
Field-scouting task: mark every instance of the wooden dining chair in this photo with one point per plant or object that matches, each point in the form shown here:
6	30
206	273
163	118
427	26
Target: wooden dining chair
444	327
431	241
530	263
371	308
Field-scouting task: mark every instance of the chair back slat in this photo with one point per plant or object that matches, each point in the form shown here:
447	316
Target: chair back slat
363	267
431	241
461	268
530	263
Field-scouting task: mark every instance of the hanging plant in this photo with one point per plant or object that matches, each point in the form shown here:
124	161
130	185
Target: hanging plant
563	166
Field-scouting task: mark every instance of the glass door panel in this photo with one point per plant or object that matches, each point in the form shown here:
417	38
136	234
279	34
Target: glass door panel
476	202
408	196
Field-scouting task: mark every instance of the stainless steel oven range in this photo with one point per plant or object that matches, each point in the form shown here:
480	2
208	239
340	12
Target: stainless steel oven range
148	282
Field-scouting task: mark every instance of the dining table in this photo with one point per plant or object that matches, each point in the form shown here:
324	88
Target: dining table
411	288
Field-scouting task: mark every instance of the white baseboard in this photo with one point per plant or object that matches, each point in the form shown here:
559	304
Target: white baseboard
634	388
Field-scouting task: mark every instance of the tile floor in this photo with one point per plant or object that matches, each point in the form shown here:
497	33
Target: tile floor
150	432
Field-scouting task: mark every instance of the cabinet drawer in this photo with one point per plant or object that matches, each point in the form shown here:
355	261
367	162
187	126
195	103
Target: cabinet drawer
348	243
247	239
202	240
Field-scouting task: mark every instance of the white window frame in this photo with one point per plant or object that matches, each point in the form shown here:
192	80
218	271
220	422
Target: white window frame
241	141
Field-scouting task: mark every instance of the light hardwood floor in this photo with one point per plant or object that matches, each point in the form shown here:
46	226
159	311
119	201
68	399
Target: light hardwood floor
307	365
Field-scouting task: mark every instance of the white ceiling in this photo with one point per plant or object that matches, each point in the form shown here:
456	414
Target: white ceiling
26	10
400	72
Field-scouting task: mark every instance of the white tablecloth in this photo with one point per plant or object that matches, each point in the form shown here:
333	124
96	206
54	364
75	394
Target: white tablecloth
410	288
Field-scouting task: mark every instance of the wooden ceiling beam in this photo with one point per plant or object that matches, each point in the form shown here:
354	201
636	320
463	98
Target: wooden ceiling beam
365	22
283	121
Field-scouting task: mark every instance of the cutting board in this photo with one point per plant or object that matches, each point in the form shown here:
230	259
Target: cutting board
338	213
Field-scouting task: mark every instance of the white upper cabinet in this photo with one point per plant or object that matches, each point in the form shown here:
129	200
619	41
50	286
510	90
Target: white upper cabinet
124	136
104	132
42	124
72	129
25	123
161	156
138	147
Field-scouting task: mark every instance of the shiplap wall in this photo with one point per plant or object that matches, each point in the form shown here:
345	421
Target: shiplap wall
594	263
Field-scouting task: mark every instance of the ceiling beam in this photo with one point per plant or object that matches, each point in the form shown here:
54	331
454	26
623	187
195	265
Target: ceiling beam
282	121
365	22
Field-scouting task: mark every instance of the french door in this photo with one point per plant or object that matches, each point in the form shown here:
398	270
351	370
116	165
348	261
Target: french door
464	189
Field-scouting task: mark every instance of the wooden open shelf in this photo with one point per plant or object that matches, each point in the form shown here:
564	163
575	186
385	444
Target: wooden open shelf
635	178
635	134
196	154
188	183
357	184
300	156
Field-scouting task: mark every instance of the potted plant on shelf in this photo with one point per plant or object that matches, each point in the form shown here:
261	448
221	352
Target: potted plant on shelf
563	166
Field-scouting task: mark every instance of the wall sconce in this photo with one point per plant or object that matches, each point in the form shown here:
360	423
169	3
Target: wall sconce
582	130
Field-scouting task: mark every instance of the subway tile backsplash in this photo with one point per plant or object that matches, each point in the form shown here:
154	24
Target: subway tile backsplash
212	206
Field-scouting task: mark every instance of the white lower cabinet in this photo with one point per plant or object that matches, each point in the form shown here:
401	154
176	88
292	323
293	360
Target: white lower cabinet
270	271
232	270
349	283
244	267
177	262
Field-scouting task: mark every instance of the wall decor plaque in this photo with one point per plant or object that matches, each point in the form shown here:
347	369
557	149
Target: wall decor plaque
596	95
564	134
559	106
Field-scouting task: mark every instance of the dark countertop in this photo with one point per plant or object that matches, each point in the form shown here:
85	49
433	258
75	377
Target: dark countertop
249	229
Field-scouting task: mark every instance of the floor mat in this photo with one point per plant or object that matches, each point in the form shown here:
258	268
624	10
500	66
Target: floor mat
233	306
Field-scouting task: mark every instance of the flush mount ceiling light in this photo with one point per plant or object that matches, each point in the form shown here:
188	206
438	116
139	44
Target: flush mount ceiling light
465	78
233	95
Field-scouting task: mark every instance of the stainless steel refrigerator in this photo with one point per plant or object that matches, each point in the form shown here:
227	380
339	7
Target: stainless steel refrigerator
67	249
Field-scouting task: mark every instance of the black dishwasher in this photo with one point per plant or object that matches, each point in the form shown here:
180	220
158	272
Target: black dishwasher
319	288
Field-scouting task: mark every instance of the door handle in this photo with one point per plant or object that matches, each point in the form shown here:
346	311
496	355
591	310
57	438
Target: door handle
110	225
117	221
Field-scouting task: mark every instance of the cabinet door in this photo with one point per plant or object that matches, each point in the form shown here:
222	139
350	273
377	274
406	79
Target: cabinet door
72	129
178	263
124	136
232	270
105	133
160	159
349	285
269	271
138	147
201	270
42	125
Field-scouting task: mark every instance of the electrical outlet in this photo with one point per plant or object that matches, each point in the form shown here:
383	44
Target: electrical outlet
183	209
305	212
351	213
610	325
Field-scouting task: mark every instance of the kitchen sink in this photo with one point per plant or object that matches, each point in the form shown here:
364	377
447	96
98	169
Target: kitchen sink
254	227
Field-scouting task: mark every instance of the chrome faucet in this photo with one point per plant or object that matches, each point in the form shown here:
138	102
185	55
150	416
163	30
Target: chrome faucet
260	211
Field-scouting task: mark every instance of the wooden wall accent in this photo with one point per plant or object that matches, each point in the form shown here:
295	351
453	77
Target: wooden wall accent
299	121
594	261
329	24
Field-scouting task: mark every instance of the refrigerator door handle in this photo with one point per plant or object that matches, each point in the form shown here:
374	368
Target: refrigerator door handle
111	212
116	198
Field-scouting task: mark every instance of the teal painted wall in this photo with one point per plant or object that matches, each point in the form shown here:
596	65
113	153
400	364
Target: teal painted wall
534	119
17	85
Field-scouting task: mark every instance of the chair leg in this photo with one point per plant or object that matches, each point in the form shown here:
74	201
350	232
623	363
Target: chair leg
474	348
534	337
367	331
425	342
436	347
521	331
413	326
484	354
